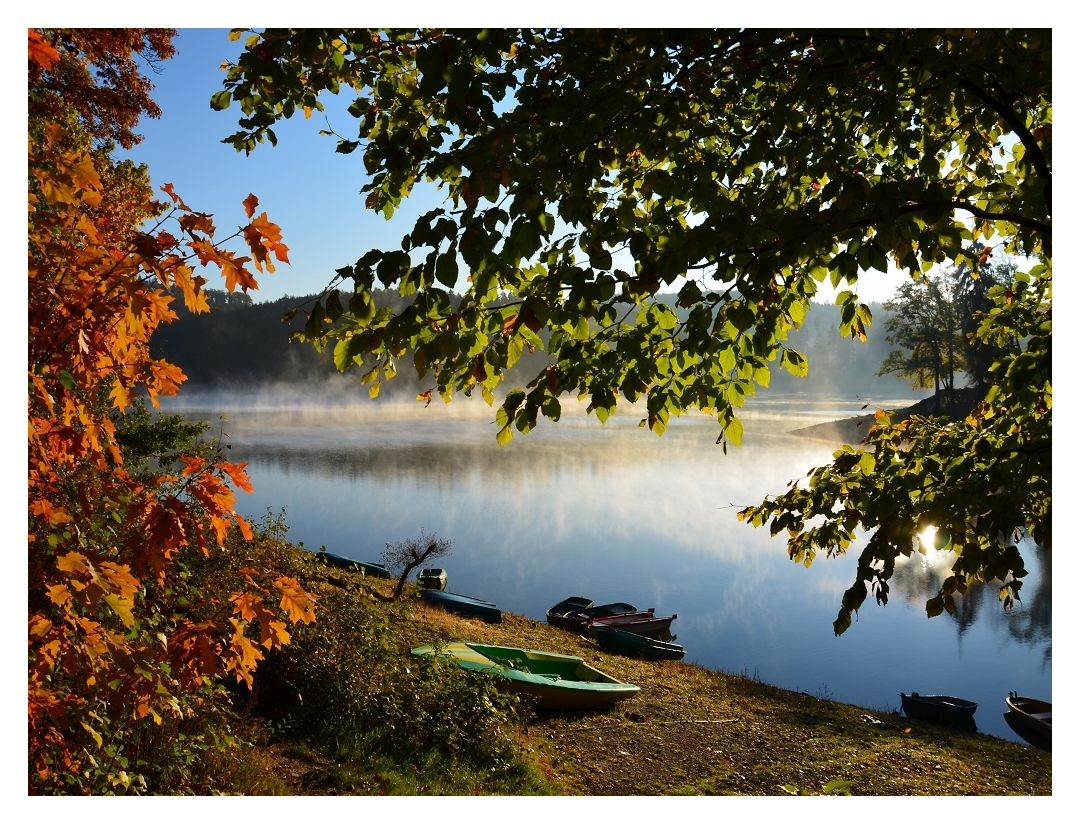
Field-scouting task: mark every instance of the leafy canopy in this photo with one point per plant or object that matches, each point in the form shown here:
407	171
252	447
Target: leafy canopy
586	170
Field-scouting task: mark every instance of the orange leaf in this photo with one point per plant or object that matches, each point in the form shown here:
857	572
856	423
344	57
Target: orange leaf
41	52
250	202
274	634
168	189
299	604
197	222
238	475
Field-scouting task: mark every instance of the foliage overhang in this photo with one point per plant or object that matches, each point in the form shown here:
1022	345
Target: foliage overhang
751	166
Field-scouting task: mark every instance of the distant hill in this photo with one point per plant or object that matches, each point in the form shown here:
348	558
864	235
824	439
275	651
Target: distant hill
241	345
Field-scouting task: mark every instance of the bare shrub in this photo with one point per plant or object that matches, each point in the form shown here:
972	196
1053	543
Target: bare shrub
402	557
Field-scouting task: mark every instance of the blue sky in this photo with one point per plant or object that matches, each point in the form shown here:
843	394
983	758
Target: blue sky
308	189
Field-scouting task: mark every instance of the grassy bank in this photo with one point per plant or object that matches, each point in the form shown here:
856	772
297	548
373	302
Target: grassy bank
346	709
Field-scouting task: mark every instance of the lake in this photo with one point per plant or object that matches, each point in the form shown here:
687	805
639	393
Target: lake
614	513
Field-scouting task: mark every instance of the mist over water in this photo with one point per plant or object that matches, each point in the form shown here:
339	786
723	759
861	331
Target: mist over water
614	513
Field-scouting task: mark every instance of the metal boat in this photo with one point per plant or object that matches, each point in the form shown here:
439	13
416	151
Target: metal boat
622	642
433	578
1031	719
939	709
462	605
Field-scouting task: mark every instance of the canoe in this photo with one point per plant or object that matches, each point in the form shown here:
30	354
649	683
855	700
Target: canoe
639	623
939	709
1032	718
432	578
576	620
621	642
462	605
556	682
367	567
556	616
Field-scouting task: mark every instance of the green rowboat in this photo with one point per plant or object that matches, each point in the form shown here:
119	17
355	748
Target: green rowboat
557	682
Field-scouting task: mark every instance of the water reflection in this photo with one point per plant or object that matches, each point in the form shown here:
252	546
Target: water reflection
616	514
918	578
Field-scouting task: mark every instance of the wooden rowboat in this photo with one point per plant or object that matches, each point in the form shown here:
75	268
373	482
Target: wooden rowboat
939	709
555	682
1031	718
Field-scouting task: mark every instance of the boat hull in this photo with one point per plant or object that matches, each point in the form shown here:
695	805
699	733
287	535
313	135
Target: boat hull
621	642
578	620
939	709
1031	719
463	605
556	616
551	680
367	567
638	623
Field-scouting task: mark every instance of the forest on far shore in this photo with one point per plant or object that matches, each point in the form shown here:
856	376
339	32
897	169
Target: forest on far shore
243	346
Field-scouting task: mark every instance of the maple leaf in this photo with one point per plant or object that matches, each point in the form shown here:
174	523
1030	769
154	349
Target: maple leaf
39	626
238	475
274	634
73	562
250	203
41	52
197	222
244	655
122	607
168	189
299	604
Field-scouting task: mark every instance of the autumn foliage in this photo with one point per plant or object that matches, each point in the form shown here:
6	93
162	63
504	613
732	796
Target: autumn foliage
115	640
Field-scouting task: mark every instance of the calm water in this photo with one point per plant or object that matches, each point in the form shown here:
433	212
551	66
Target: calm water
616	514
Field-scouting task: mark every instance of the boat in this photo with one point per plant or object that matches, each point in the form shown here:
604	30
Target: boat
556	682
622	642
939	709
1031	719
432	578
556	616
639	623
366	567
463	605
577	620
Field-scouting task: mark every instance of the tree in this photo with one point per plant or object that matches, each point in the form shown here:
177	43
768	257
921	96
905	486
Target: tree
118	646
586	169
924	321
402	557
971	294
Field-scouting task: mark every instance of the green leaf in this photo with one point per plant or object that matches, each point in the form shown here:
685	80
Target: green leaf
734	431
867	463
446	270
505	435
727	359
342	359
220	101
